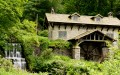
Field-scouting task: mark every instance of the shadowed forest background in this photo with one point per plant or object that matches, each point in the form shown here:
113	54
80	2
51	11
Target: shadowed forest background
37	8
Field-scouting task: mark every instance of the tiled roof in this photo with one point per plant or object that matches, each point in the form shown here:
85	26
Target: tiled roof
63	18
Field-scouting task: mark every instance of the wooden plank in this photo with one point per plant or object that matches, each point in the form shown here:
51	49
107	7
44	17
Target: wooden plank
114	29
90	36
79	27
59	27
103	37
95	36
108	28
65	26
95	40
71	27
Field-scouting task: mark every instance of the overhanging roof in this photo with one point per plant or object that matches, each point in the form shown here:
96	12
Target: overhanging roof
63	18
90	32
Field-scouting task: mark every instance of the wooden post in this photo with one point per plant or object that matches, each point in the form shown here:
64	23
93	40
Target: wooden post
94	36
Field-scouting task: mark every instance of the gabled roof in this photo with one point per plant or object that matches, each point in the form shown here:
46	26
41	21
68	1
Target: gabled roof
90	32
63	18
98	15
74	14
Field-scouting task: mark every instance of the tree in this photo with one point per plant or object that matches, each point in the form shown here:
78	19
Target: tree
92	7
10	13
37	8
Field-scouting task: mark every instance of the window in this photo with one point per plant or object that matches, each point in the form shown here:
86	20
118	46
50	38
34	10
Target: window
62	34
98	19
110	35
75	17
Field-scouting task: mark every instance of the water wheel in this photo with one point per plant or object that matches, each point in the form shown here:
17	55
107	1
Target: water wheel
90	50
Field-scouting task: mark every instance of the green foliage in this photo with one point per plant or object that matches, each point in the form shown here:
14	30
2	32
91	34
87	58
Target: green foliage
111	67
18	72
44	43
25	32
6	64
61	44
43	33
58	5
37	7
62	65
14	22
6	68
61	57
92	7
42	59
47	54
10	13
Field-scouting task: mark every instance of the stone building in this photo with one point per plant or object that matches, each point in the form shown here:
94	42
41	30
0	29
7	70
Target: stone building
88	34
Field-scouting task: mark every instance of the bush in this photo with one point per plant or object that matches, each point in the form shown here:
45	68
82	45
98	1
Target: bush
44	43
6	68
61	44
43	33
63	65
42	59
19	72
6	64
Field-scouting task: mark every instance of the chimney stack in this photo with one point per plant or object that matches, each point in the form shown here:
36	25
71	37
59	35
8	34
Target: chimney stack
52	11
110	14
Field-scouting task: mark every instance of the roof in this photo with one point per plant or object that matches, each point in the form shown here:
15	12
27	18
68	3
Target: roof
63	18
98	15
74	14
90	32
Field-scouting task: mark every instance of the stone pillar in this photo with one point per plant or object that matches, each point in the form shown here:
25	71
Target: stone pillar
76	52
105	51
104	54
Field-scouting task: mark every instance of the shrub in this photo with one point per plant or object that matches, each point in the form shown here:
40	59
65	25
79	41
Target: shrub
19	72
44	43
43	33
61	44
6	64
42	59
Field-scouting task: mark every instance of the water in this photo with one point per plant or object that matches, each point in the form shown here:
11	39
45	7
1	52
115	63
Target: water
13	52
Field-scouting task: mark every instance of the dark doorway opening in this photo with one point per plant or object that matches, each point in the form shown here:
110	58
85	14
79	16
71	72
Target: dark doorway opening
91	50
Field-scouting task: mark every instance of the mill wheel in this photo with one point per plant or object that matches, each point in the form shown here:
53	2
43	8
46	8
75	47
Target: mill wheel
90	51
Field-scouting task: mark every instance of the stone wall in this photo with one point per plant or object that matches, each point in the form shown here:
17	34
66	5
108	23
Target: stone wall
73	31
63	52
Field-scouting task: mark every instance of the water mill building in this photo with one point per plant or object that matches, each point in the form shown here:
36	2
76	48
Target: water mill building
88	34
